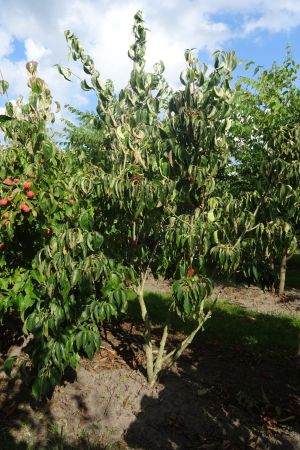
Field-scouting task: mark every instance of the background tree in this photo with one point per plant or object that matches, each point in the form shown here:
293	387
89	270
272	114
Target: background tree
265	162
84	135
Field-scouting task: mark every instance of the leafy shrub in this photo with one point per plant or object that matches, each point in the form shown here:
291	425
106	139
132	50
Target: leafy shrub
53	271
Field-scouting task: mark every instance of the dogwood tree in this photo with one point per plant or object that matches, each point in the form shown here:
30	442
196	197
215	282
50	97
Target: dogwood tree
153	186
265	147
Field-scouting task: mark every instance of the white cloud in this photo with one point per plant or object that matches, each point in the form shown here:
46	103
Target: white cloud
35	51
282	18
104	29
5	43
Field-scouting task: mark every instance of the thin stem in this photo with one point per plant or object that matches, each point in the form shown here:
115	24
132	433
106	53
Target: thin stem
147	332
179	218
247	229
159	359
171	357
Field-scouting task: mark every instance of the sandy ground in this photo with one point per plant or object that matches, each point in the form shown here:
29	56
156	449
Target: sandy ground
214	398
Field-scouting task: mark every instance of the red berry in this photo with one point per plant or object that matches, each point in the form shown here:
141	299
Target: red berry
30	194
72	201
190	271
6	222
5	215
3	202
8	181
27	185
2	245
25	208
16	180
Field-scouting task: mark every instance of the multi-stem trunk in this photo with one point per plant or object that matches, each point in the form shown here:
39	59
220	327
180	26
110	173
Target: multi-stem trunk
282	275
163	361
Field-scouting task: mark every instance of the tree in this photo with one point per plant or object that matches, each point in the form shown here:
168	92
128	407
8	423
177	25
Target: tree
266	162
152	190
85	135
54	277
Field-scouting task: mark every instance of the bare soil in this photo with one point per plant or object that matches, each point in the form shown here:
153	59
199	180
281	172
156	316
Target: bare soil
216	397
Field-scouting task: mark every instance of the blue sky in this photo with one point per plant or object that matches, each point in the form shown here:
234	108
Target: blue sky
33	30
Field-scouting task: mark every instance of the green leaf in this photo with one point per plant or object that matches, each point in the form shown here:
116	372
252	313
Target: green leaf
78	340
8	364
85	86
211	216
48	150
4	118
75	277
186	305
4	85
250	63
86	220
65	72
36	389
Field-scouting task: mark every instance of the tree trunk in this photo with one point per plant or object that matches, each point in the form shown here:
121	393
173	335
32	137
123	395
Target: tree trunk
273	284
298	354
282	275
147	334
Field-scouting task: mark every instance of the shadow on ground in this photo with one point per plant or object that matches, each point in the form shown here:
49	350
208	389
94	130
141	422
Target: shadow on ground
219	399
240	392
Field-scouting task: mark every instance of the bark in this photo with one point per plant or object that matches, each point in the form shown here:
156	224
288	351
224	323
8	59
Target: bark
282	275
147	334
159	360
298	354
273	284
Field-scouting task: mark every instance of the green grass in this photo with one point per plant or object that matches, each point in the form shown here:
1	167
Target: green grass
295	260
231	325
293	278
293	272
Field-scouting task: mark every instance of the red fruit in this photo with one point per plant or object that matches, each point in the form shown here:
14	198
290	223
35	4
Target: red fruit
27	185
72	201
190	272
2	245
8	181
25	208
16	180
30	194
6	222
3	202
5	215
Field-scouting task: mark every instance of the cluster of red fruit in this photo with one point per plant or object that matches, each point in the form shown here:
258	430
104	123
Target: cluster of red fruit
29	194
5	201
